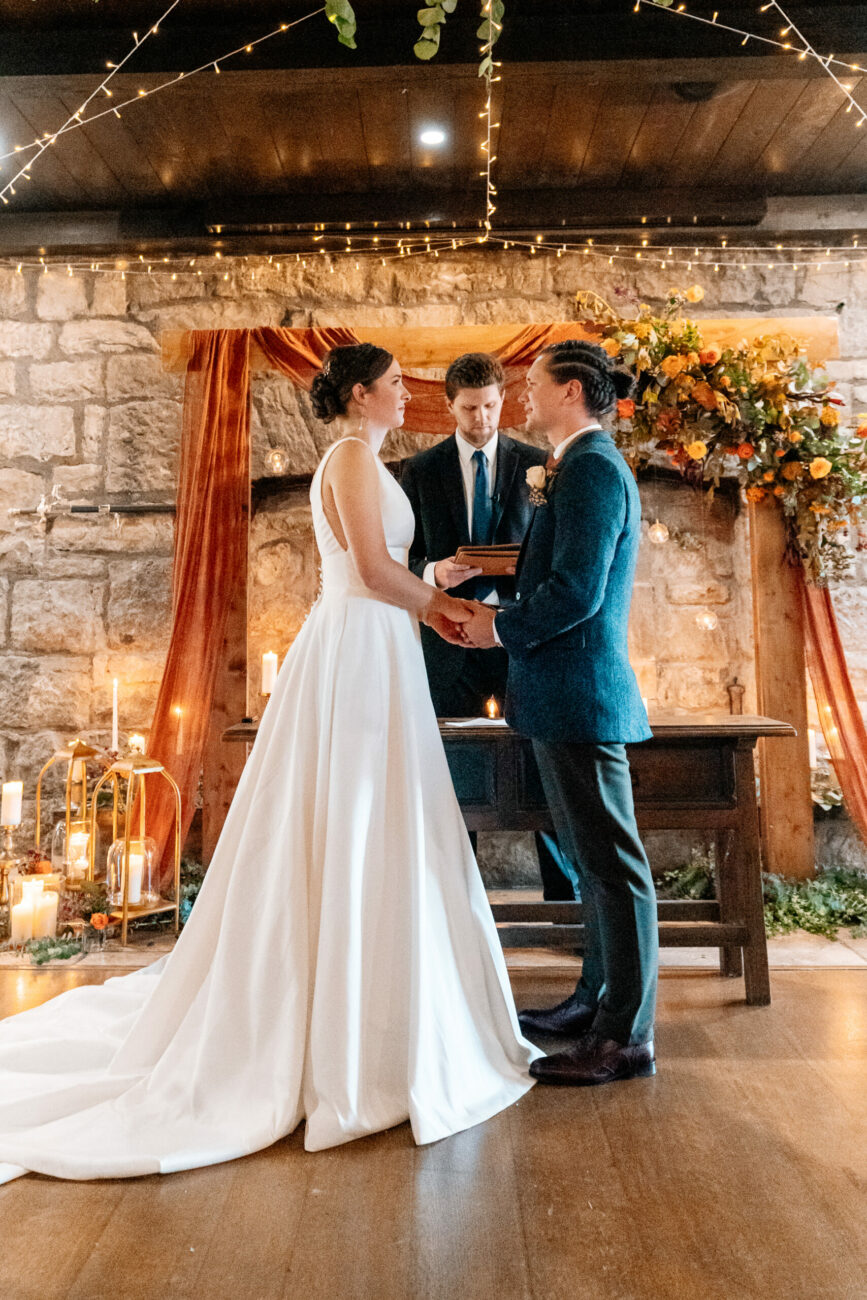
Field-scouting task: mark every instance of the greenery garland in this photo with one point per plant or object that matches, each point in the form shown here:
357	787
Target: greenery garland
757	411
431	19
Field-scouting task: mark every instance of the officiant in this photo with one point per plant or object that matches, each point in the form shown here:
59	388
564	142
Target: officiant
471	489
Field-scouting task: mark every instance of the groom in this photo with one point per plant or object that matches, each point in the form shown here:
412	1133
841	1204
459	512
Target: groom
572	690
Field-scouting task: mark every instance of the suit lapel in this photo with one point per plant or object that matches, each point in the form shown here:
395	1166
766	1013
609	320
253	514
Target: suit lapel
507	463
452	480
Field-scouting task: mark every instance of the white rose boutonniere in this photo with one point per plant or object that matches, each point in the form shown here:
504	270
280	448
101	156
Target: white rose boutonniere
537	481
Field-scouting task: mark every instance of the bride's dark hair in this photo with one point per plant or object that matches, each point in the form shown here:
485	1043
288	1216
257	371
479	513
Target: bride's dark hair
602	381
342	369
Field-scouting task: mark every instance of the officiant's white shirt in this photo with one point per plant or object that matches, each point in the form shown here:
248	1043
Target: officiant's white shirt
466	451
557	453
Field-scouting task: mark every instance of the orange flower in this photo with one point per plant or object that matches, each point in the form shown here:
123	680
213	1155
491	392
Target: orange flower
612	347
731	451
792	469
780	453
99	921
820	467
861	431
672	366
778	490
692	359
705	395
820	510
756	494
697	450
709	356
746	450
769	475
794	436
625	408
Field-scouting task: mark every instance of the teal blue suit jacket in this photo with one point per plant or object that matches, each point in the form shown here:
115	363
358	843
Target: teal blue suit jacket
566	635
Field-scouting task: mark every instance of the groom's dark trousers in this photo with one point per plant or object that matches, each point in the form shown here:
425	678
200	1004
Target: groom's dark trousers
572	690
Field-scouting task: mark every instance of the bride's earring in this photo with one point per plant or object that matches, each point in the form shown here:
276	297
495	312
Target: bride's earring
362	423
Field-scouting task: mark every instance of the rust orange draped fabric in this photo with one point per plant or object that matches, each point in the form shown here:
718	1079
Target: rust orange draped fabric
210	549
842	723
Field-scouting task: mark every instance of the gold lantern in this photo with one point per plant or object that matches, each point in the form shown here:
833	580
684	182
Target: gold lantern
132	858
73	837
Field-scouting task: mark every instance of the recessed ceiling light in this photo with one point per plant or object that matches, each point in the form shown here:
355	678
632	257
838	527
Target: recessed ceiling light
433	135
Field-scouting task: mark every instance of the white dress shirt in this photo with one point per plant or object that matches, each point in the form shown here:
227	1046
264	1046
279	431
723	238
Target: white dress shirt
557	453
466	451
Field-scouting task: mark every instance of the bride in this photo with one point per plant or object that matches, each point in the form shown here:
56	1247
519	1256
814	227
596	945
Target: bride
341	965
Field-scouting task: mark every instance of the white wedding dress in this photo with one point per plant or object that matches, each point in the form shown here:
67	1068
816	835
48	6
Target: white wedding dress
341	964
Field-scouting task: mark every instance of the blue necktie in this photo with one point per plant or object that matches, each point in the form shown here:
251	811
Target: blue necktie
483	518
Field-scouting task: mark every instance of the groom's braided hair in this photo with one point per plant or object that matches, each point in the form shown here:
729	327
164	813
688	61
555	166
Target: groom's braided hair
601	381
342	369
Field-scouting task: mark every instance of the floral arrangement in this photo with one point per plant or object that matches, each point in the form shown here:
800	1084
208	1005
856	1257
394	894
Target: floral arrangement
757	411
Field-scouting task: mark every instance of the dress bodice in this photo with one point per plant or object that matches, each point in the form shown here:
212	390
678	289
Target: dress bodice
339	572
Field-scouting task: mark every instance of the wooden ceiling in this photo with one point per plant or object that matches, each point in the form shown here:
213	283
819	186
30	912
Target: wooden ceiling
305	131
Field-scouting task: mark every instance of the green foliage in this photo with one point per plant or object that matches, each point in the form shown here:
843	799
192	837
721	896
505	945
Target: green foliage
341	13
836	898
42	950
192	879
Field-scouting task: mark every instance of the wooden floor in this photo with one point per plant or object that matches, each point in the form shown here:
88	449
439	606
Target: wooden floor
740	1171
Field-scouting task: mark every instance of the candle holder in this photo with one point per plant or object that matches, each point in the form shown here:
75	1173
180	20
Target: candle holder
133	859
71	847
8	862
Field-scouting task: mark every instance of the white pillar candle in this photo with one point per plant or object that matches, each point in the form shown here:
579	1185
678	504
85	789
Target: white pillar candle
45	915
136	867
269	672
77	854
21	923
10	807
114	743
811	748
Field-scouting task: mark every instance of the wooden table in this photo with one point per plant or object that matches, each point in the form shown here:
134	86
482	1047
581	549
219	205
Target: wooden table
696	773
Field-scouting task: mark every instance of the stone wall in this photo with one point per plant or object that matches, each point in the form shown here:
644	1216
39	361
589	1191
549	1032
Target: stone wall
86	407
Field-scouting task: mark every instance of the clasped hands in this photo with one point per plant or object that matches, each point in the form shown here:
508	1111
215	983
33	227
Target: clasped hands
462	622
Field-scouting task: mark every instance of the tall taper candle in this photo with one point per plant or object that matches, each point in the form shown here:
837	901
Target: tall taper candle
10	808
269	672
114	744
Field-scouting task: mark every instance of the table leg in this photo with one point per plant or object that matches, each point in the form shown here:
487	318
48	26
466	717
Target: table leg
746	854
725	878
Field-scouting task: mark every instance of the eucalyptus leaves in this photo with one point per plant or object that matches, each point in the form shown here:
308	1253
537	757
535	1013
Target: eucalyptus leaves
431	19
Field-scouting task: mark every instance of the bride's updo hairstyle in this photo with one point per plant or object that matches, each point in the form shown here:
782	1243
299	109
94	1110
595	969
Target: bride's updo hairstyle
342	369
603	382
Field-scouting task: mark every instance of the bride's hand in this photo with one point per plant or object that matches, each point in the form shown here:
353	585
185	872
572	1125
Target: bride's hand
445	615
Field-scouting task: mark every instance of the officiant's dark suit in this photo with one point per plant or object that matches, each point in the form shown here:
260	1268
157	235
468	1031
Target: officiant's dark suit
462	679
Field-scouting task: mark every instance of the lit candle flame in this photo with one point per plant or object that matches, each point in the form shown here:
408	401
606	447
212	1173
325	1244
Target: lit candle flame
492	708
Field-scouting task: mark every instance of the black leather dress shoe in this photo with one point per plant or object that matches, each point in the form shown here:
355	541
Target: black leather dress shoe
570	1018
595	1060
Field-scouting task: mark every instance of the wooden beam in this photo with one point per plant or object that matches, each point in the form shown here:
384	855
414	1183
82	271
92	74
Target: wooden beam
786	806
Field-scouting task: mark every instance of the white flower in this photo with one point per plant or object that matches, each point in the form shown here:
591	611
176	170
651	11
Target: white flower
536	477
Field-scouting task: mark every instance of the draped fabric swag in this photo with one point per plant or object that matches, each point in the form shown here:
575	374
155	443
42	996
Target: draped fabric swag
211	521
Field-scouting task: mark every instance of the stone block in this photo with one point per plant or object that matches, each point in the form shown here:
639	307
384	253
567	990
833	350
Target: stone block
37	432
20	553
18	339
138	676
64	615
17	488
60	297
109	295
49	692
134	376
13	293
4	592
67	381
7	378
243	312
359	316
139	603
280	417
698	593
78	480
824	289
517	310
143	444
144	292
137	534
93	430
77	337
691	686
69	564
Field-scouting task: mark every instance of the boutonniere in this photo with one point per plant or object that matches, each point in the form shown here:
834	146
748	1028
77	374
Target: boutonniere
539	479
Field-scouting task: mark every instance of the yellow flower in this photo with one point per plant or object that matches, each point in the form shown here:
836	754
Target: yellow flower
794	436
641	330
820	467
697	450
672	366
611	346
829	417
695	293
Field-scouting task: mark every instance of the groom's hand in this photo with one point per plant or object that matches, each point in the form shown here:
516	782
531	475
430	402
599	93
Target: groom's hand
449	623
479	630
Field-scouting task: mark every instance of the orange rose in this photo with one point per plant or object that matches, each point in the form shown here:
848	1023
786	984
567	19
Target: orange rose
756	494
709	356
792	469
778	490
99	921
704	395
672	366
769	475
625	408
612	347
746	450
820	467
